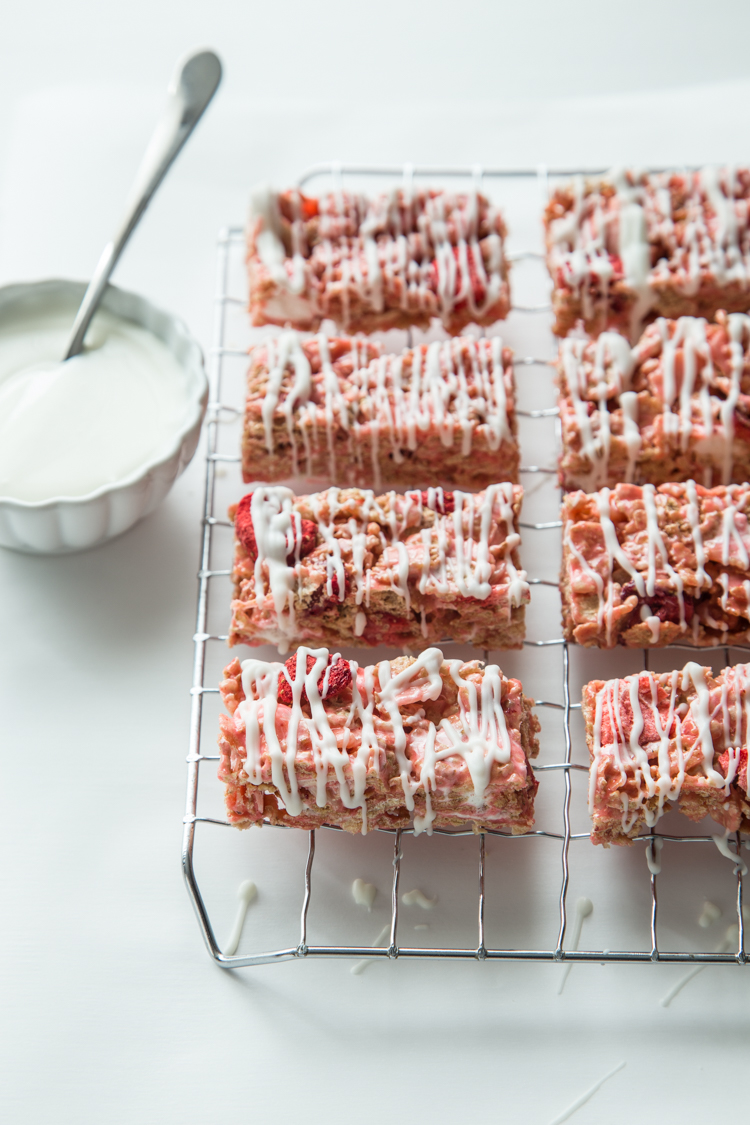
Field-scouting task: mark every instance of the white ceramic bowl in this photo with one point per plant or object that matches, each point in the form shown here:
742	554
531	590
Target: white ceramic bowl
60	525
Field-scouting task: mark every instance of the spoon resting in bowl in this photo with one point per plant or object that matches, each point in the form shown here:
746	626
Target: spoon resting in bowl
193	85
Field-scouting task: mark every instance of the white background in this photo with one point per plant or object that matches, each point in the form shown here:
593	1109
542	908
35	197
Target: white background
111	1010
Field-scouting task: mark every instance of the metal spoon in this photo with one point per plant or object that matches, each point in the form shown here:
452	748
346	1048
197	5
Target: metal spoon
193	85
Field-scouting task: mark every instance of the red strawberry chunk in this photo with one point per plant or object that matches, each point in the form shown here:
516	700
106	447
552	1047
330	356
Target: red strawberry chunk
339	677
650	731
448	504
243	526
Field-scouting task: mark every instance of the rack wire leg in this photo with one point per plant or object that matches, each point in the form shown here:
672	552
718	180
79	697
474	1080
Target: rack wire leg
566	804
302	947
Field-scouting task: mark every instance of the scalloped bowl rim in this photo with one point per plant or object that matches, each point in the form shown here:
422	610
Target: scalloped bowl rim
197	395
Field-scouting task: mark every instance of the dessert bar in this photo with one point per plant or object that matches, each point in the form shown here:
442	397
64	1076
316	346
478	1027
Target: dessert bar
631	245
645	566
346	567
658	739
393	261
675	407
335	409
320	740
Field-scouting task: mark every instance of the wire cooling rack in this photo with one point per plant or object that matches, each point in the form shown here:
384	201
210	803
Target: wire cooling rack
621	882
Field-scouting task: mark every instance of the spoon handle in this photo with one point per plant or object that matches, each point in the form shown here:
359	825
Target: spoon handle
191	89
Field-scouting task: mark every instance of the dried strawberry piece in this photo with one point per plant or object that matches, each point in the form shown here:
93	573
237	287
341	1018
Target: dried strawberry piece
445	508
742	417
617	267
623	725
243	526
308	206
339	677
321	600
308	540
663	604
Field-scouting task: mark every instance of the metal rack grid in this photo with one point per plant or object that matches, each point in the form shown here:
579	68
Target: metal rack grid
231	241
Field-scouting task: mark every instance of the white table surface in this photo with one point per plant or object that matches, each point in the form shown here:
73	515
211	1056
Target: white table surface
111	1009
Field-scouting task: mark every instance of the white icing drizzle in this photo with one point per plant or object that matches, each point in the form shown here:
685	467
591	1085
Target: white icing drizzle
731	536
419	242
633	245
274	524
459	386
656	543
722	843
655	779
478	735
285	350
469	564
701	577
653	853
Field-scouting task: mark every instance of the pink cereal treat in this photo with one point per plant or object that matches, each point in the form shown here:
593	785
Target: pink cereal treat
396	260
658	740
629	246
334	408
425	741
346	567
645	566
675	407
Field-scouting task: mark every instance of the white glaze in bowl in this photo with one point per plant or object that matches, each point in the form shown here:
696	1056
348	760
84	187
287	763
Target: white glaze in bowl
60	525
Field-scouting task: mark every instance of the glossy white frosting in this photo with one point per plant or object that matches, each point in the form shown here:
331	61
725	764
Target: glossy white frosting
69	429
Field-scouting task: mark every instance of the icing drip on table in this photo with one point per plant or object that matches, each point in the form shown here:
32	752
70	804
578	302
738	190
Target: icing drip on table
478	735
418	898
363	893
456	549
731	940
663	776
424	244
246	893
585	1097
457	386
601	375
584	908
708	915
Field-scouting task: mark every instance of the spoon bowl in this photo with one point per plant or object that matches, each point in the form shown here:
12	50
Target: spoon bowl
61	524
